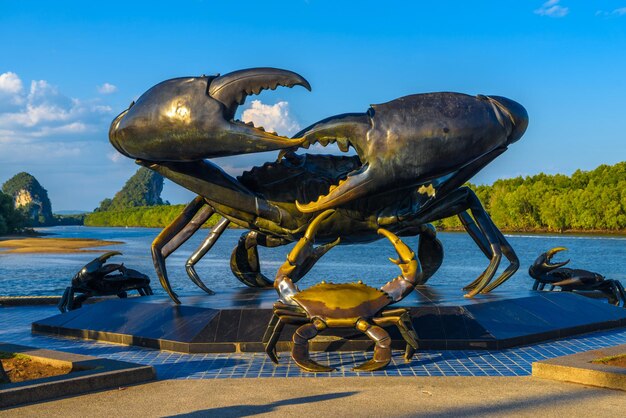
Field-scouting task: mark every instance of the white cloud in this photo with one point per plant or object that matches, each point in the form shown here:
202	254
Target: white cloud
552	8
273	118
11	91
62	140
44	113
10	83
107	88
44	131
621	11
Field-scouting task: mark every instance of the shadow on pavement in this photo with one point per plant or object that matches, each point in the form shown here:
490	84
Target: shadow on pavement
249	410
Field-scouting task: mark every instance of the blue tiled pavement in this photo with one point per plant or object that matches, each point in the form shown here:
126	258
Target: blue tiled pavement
15	328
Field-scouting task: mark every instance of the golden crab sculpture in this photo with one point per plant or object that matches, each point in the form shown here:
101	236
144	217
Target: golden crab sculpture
345	305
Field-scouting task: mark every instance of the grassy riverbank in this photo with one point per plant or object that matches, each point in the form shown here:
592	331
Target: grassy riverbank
540	231
142	216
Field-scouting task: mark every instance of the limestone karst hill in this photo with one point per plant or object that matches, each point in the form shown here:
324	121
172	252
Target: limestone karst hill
142	189
30	198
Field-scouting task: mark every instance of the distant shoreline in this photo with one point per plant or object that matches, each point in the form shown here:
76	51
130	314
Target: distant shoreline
594	232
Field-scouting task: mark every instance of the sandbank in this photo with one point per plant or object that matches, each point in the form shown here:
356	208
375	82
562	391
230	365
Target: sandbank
53	245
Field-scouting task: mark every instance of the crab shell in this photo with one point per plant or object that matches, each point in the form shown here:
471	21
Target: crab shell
342	304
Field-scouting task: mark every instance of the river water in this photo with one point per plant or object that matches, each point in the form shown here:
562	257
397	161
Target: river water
49	274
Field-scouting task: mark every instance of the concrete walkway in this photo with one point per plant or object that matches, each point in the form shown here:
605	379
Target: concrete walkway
341	397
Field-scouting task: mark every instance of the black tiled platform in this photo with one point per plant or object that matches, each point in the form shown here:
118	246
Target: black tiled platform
236	320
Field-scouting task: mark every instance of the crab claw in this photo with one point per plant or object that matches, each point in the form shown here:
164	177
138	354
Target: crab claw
546	263
304	247
104	257
412	273
191	118
416	139
301	258
96	266
543	265
98	262
406	257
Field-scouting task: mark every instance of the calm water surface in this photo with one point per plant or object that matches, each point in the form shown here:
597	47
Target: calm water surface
49	274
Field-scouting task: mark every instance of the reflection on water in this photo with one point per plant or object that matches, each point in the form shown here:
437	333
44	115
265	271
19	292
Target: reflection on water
49	274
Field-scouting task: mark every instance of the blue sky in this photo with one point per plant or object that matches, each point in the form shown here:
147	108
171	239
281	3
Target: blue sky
67	68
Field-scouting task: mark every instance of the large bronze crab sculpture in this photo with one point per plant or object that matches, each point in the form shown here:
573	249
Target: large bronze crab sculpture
573	280
330	305
413	156
99	279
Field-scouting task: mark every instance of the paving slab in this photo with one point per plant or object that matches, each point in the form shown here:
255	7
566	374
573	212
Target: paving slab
88	374
579	368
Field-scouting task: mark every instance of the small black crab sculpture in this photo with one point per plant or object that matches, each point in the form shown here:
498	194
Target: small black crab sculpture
573	280
95	279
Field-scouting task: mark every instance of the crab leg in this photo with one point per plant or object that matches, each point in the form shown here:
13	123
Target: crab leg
510	255
300	350
382	349
612	291
283	314
180	237
405	325
621	291
221	190
610	288
488	228
244	260
400	317
271	336
77	302
174	235
458	202
197	255
65	299
478	235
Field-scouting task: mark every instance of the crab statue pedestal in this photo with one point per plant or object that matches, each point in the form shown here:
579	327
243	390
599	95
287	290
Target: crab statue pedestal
235	321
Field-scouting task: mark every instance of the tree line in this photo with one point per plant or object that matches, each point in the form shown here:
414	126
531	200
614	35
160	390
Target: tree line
142	216
585	201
